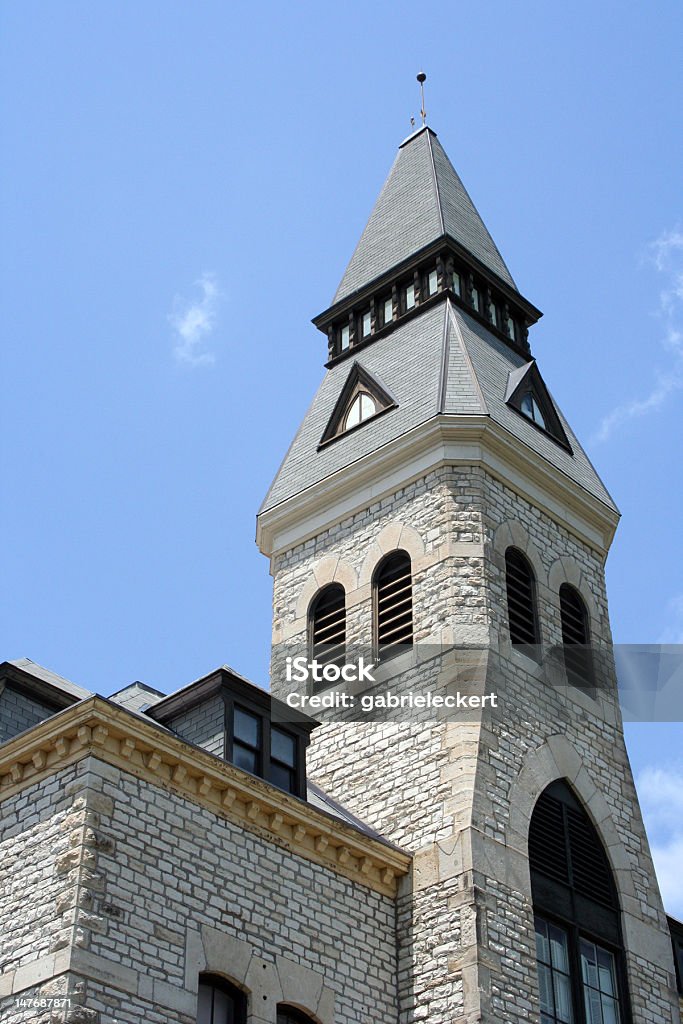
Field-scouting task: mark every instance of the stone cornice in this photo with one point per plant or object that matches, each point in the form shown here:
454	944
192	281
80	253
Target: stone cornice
96	727
441	440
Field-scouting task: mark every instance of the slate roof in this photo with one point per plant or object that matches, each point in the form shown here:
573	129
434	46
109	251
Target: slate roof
47	676
422	200
442	361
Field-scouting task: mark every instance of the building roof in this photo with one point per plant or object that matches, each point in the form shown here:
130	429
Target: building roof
441	362
52	683
422	200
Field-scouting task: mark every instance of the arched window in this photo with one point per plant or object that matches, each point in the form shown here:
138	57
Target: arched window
575	636
290	1015
362	408
393	597
520	583
327	625
576	914
219	1002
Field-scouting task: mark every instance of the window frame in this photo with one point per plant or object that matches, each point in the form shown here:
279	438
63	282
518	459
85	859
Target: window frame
386	652
262	711
217	983
581	916
530	649
310	623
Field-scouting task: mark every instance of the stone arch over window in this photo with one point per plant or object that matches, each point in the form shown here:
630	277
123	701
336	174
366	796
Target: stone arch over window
512	534
579	947
393	537
327	625
329	569
522	600
392	589
287	1014
219	1001
568	570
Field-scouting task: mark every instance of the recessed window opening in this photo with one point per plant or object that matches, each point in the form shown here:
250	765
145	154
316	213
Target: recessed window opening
456	283
247	741
388	311
409	296
530	407
575	636
510	328
520	584
393	592
290	1015
493	313
327	625
362	408
366	324
476	300
432	282
344	337
219	1002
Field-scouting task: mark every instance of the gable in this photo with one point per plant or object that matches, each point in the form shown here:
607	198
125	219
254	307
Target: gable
362	398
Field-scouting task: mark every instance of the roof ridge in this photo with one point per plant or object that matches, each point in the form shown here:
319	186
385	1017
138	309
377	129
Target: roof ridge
445	356
436	182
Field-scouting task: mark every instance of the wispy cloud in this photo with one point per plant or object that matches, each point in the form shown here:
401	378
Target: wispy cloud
193	322
666	255
660	792
673	630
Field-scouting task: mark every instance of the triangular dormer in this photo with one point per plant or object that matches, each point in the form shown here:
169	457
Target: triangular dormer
528	395
362	398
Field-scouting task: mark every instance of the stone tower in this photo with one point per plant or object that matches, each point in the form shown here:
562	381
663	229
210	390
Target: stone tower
433	450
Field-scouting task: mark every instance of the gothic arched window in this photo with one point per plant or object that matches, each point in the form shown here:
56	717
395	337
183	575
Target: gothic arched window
393	599
327	625
520	584
290	1015
575	635
576	915
219	1002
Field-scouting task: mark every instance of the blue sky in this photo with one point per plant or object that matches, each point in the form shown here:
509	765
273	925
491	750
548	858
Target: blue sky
184	184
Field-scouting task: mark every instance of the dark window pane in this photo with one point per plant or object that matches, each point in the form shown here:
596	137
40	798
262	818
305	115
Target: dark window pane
247	728
282	777
244	758
282	746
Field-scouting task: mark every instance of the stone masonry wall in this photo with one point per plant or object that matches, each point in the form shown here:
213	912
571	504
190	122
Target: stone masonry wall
447	790
173	889
19	712
203	725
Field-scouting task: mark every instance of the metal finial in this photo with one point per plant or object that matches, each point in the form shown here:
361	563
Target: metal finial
421	79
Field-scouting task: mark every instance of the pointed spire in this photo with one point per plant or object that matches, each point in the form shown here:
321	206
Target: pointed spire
422	200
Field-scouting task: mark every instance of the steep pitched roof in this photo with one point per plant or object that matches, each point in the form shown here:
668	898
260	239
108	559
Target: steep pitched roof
442	362
422	200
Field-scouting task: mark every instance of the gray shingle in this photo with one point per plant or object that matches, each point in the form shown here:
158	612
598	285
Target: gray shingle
422	199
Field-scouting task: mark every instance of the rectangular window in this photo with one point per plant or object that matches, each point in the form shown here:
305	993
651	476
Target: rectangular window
283	759
552	955
493	313
432	282
409	296
366	325
247	741
599	984
344	337
510	328
476	300
456	283
388	311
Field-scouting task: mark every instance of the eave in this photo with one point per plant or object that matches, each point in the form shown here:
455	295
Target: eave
442	440
95	727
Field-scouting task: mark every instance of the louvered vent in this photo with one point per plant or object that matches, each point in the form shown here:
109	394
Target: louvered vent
564	845
575	634
394	604
328	626
521	595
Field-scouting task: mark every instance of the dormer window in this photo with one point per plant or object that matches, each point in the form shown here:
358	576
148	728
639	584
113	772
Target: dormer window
530	407
344	337
362	408
432	282
409	296
366	324
387	310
